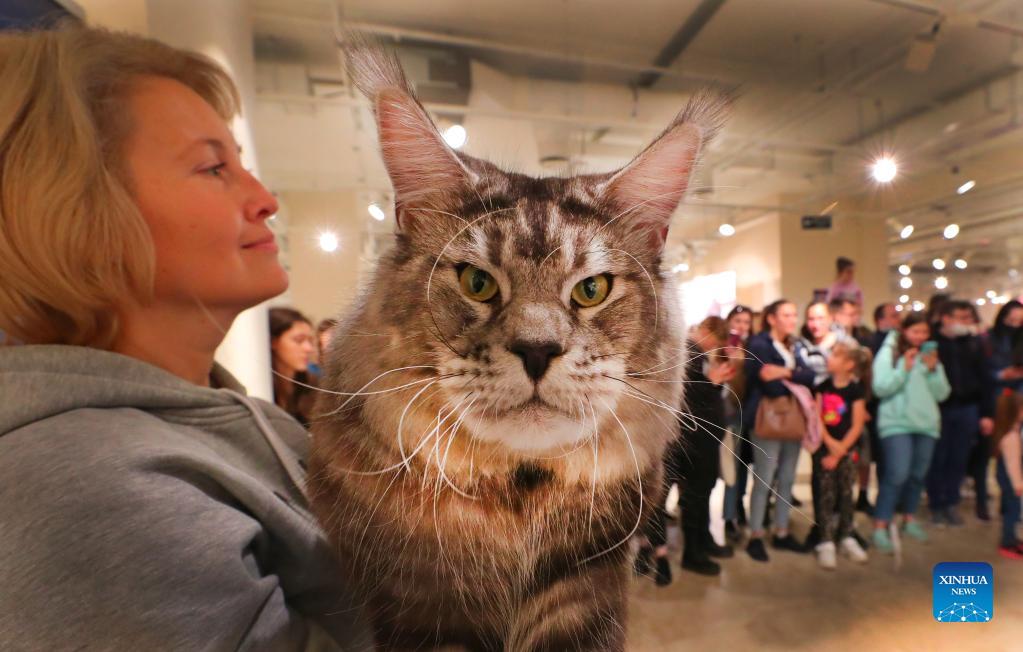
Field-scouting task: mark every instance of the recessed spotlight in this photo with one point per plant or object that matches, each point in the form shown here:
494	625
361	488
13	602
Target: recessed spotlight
726	230
884	169
918	306
905	269
904	298
906	231
961	263
905	282
455	136
951	231
328	242
966	187
991	294
938	263
981	302
898	308
941	282
377	213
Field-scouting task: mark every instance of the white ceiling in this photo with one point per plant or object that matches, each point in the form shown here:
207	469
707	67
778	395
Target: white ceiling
823	87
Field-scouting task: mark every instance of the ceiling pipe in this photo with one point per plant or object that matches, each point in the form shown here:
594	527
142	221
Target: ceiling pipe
681	40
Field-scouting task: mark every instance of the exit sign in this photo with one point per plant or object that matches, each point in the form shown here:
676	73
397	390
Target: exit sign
816	221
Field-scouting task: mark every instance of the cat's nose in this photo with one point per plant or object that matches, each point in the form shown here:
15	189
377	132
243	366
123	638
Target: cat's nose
536	356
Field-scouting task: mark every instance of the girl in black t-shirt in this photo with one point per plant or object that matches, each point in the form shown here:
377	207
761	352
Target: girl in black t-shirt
841	402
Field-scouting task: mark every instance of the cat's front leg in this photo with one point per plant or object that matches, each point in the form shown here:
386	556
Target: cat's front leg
582	610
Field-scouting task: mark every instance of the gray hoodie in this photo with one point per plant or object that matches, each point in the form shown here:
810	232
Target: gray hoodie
141	512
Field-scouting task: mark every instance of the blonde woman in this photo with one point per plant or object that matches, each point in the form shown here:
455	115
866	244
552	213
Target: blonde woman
148	503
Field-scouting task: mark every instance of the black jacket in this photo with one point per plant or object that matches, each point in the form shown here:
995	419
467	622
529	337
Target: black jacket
703	399
966	367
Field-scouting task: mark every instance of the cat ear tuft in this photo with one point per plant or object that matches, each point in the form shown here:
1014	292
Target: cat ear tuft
646	192
422	168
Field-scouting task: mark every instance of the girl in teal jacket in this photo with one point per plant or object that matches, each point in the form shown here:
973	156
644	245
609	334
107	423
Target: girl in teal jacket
910	384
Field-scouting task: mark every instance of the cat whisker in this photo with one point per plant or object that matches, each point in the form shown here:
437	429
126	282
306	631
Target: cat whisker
639	487
653	288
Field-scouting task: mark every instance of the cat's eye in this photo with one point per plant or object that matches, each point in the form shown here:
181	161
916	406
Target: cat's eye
592	290
477	284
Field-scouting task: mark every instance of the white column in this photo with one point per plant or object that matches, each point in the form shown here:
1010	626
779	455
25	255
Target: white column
222	30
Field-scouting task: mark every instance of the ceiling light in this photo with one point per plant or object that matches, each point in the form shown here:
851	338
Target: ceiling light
681	267
991	294
328	242
1013	273
905	282
918	306
904	298
941	282
906	231
884	169
898	308
938	263
951	231
961	263
981	302
377	212
905	269
966	187
455	136
726	229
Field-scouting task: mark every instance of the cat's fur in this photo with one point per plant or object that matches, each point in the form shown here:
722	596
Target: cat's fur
472	506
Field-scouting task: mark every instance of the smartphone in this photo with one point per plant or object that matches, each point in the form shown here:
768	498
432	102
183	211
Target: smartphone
928	347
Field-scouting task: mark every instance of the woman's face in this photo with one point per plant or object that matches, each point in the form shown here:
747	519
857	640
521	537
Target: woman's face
741	323
818	321
1015	318
207	214
917	334
785	320
294	348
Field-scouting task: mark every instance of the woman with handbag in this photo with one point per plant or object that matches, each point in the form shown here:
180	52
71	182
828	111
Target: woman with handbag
775	356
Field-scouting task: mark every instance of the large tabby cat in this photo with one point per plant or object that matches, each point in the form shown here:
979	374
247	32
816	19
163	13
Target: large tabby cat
503	391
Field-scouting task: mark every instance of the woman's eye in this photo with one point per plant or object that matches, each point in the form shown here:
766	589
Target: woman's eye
477	284
592	290
217	170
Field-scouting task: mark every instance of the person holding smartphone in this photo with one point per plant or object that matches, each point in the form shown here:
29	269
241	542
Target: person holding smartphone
910	381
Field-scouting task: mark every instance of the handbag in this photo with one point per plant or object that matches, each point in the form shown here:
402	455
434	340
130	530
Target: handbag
780	418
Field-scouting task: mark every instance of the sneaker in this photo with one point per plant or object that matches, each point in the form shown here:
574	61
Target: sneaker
796	502
826	555
812	539
755	549
721	552
1011	552
953	517
882	541
982	513
863	504
788	542
852	549
914	531
701	566
860	540
662	576
643	557
938	518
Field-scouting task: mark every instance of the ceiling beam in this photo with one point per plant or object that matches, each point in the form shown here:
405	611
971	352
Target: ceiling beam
681	40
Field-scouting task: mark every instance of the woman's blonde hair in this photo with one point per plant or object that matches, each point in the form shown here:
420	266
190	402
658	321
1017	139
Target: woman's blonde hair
72	240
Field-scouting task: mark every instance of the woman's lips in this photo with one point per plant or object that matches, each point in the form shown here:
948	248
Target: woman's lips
268	243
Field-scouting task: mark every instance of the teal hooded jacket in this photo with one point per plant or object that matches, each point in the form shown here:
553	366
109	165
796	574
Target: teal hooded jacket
909	399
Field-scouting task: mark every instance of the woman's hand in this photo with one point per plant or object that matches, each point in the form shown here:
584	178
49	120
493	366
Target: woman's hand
1018	489
771	372
830	463
930	360
721	373
910	357
1011	373
835	447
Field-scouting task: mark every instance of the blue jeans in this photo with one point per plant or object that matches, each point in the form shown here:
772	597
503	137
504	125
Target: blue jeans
735	492
906	460
960	425
776	457
1010	506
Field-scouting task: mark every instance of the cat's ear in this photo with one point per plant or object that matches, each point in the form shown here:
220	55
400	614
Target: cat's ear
425	172
644	194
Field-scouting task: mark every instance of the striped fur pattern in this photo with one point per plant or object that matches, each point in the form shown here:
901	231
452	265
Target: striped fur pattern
474	507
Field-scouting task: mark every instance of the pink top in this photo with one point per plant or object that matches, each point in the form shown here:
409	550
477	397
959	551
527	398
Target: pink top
850	290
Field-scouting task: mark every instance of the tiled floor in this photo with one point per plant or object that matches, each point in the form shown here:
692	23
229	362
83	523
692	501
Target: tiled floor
790	604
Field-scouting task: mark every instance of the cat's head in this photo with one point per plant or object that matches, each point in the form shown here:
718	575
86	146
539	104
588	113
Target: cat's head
540	302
